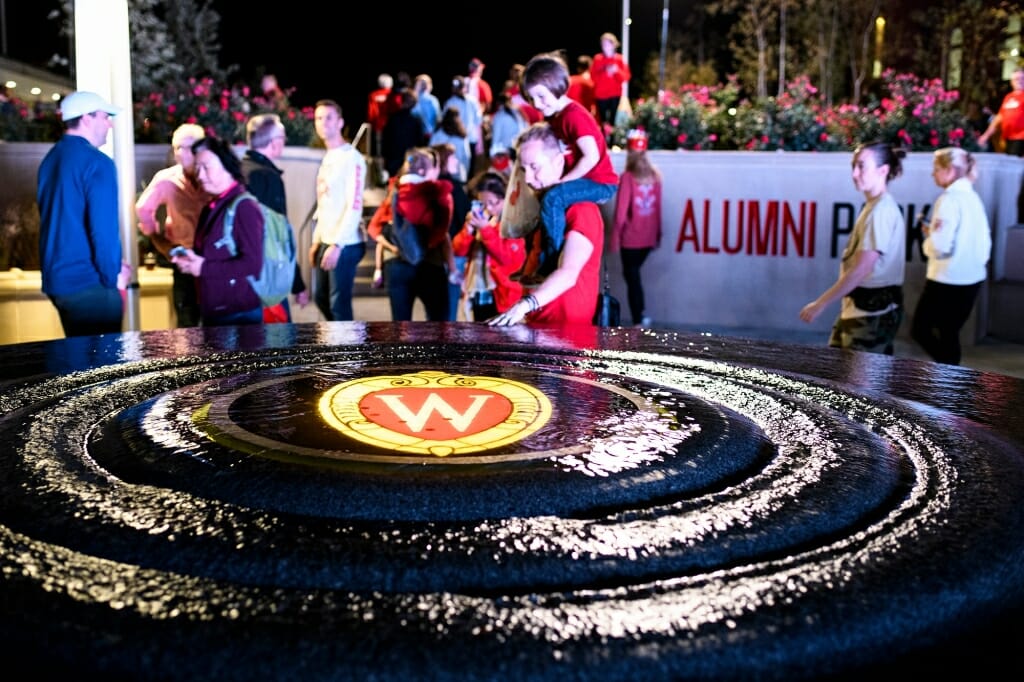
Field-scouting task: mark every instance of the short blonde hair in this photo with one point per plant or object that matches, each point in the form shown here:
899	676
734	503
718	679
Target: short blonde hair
960	160
186	131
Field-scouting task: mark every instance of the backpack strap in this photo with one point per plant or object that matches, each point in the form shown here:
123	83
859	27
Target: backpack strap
228	238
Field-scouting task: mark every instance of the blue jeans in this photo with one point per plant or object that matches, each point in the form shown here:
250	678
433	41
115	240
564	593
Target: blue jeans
426	281
556	201
332	290
96	310
253	316
455	290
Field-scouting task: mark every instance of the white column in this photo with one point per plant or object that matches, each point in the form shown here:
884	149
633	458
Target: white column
103	65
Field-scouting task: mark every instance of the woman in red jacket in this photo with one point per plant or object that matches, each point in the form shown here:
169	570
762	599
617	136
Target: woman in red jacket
488	287
426	202
609	71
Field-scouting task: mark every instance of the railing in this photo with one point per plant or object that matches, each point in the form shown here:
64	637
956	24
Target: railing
362	135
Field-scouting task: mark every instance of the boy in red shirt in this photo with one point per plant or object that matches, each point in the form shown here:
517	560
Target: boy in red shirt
590	178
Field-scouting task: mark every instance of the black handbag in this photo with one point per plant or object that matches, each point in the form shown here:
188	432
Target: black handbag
406	236
607	313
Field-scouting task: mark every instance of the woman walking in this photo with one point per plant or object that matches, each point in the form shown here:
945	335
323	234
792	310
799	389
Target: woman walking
958	243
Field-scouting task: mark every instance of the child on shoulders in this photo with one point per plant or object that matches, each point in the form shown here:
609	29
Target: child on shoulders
591	177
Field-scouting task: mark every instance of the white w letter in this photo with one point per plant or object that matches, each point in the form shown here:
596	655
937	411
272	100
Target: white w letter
434	402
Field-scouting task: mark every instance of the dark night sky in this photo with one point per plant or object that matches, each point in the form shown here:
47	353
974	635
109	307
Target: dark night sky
320	55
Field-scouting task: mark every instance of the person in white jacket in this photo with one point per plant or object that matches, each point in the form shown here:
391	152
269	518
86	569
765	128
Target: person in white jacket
958	244
338	242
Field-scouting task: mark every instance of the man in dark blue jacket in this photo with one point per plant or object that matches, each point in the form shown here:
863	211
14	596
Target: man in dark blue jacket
83	272
266	137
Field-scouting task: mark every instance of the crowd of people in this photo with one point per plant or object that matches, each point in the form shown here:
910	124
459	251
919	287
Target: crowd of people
449	167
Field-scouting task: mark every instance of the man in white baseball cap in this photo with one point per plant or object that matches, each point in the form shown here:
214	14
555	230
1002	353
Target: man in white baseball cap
82	102
83	272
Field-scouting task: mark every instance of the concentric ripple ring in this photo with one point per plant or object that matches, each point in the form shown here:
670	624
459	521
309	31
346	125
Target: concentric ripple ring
396	501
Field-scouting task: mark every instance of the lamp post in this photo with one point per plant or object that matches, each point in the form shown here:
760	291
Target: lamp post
664	50
626	21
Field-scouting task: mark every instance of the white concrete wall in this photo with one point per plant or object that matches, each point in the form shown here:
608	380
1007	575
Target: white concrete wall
693	279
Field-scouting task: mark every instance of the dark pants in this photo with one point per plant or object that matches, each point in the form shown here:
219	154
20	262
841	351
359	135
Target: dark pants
186	305
332	290
941	312
632	259
96	310
426	281
606	109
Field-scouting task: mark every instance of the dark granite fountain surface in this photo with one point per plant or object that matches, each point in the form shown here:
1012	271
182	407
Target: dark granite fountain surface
437	501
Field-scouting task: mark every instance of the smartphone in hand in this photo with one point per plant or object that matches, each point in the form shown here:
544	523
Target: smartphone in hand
179	251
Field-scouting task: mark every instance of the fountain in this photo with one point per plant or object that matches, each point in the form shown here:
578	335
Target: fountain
405	500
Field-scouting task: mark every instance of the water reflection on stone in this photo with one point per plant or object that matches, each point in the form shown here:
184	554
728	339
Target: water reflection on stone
379	500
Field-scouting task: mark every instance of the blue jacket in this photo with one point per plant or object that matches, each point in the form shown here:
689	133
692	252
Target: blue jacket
79	235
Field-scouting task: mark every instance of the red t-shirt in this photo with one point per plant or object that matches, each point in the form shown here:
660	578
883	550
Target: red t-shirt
608	74
581	89
1011	113
377	108
428	204
579	303
574	122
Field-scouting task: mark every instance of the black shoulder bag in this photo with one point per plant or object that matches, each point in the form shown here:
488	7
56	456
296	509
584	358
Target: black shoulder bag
607	313
406	235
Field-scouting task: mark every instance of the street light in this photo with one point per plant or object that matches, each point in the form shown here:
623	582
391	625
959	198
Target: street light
664	49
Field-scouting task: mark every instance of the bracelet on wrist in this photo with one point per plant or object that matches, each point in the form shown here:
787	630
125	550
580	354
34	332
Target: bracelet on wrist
531	301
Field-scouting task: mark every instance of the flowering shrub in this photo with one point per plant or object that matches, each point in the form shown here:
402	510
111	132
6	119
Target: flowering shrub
796	120
221	111
916	114
21	122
